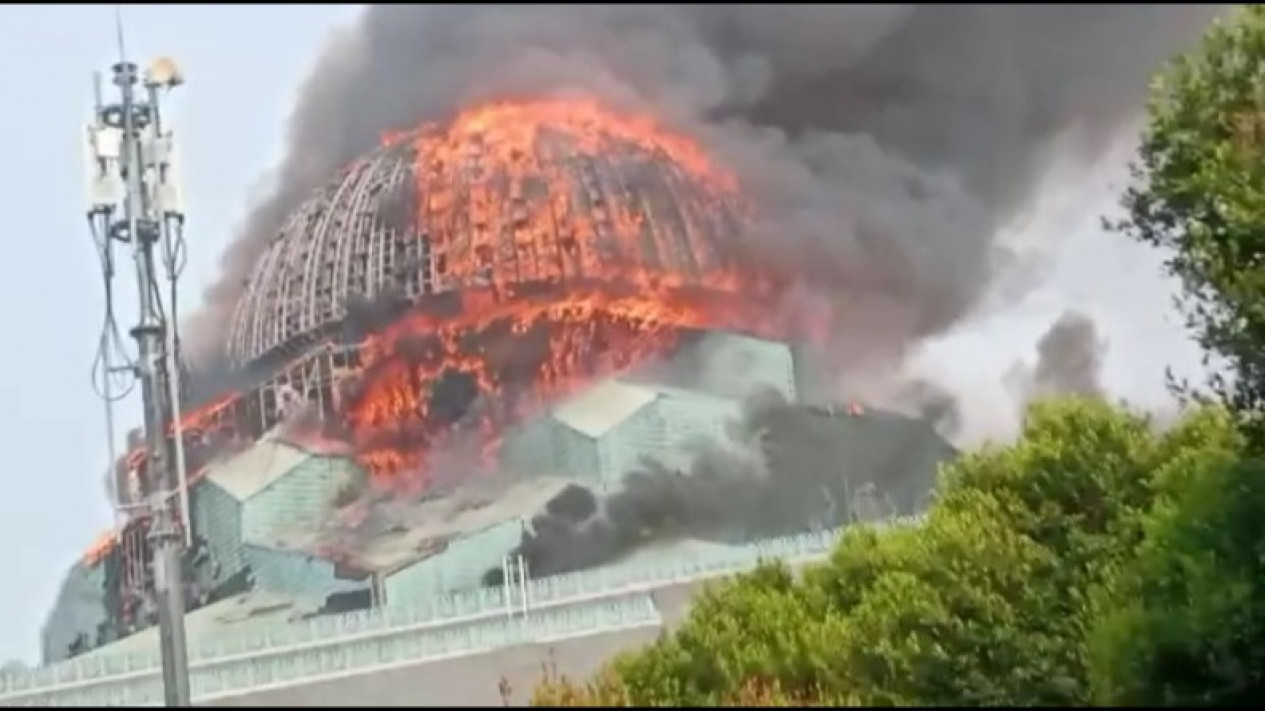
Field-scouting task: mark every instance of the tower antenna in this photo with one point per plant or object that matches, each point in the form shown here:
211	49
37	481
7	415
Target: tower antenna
118	33
135	201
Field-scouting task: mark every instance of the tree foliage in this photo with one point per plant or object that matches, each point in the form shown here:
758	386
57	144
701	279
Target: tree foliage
1200	193
987	603
1184	623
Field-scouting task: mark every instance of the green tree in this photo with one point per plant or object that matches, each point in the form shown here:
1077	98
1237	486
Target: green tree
1200	193
986	603
1183	624
1179	620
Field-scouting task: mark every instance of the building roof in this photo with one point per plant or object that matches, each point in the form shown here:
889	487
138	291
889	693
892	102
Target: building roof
692	395
244	613
595	411
311	441
253	470
397	533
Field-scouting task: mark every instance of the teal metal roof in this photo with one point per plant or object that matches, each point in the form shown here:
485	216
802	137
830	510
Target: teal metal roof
398	533
249	613
253	470
599	408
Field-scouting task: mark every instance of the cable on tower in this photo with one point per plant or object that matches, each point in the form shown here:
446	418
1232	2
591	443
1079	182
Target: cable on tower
134	200
110	349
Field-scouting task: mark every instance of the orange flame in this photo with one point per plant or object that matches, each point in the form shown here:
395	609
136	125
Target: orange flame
557	272
556	285
100	548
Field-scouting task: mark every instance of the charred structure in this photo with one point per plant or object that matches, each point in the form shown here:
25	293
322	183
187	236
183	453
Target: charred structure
454	284
495	338
448	245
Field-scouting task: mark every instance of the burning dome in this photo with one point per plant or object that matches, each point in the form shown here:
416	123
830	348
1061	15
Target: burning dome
538	192
488	266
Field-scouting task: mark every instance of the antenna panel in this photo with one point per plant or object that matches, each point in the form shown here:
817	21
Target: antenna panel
171	185
104	186
108	142
158	150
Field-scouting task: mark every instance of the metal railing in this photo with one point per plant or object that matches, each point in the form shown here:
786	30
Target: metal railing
357	642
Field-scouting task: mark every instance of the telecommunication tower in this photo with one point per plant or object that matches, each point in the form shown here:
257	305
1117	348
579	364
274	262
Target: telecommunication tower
135	203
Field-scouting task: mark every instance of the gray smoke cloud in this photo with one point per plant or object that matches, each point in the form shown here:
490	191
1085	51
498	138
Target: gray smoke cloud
1069	357
885	144
1069	361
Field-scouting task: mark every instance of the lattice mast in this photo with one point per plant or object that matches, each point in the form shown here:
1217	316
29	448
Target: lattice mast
134	200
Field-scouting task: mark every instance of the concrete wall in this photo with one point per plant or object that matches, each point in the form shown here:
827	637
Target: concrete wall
465	681
364	646
475	680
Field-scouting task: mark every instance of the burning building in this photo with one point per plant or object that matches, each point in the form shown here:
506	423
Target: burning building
467	329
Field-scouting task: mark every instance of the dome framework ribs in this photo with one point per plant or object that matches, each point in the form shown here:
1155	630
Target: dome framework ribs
482	224
551	207
339	244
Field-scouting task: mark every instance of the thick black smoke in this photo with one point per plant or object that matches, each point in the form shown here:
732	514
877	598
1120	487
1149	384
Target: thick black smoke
788	468
885	143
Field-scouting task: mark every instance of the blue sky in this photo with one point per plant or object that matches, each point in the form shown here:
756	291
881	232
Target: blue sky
243	64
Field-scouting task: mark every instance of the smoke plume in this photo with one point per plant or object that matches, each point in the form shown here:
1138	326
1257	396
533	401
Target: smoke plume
784	468
884	143
1069	358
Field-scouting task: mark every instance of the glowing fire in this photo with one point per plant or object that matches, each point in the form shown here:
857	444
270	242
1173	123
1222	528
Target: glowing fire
556	269
481	180
100	548
524	353
558	285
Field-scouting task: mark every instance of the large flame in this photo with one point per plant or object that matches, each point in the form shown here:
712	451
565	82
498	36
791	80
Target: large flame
557	268
559	282
514	193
